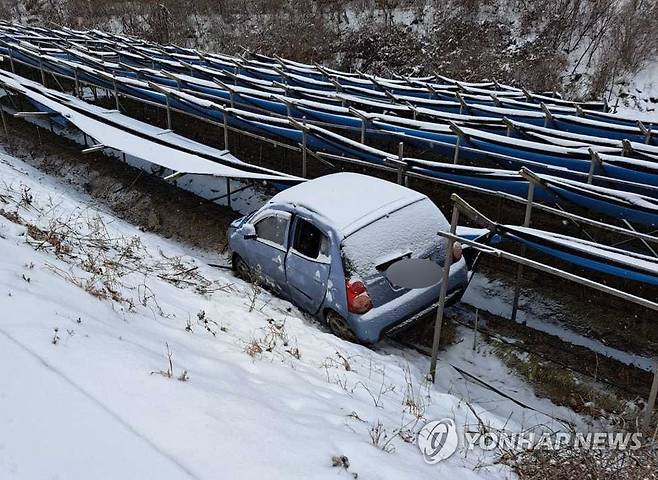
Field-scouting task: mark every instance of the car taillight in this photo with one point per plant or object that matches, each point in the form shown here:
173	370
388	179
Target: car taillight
358	300
457	251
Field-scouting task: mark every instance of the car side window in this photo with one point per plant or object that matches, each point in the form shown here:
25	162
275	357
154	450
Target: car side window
272	229
310	241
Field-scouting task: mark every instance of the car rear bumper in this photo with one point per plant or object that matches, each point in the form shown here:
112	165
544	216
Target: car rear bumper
408	308
451	298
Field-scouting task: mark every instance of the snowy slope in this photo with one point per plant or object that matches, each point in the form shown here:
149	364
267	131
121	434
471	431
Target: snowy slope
89	306
638	96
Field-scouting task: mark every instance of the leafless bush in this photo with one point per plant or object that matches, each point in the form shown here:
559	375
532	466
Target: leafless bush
341	361
208	324
575	464
630	41
380	438
169	372
274	335
551	46
253	348
416	399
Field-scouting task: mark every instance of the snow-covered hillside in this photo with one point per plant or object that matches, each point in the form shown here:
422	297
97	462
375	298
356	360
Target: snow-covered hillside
583	48
126	356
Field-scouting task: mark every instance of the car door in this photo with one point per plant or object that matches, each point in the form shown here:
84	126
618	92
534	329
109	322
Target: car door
308	265
267	252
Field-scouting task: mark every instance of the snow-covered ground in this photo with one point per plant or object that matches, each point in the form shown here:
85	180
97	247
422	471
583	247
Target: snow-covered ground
638	97
495	297
89	308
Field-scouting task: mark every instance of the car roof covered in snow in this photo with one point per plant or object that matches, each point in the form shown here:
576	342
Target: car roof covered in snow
348	201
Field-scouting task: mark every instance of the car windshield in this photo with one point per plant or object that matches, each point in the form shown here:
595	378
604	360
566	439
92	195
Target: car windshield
410	231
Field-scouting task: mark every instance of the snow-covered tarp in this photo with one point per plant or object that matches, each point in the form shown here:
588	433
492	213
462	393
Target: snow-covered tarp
134	143
584	253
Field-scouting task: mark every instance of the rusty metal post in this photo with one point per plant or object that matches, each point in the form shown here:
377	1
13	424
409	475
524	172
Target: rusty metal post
519	269
651	404
304	155
401	172
438	322
225	131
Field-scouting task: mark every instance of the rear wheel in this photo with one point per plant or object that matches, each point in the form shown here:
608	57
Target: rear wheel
339	327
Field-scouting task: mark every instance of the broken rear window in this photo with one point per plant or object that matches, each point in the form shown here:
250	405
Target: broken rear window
408	232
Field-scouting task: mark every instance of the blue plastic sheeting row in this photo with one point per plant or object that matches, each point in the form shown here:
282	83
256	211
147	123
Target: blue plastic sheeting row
609	260
317	139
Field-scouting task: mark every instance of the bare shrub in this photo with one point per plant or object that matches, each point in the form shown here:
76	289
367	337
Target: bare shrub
169	372
575	464
380	438
630	41
578	46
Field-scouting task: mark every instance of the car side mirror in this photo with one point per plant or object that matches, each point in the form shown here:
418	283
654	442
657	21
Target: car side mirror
248	231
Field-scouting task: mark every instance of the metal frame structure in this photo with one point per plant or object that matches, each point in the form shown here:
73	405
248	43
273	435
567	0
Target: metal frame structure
462	207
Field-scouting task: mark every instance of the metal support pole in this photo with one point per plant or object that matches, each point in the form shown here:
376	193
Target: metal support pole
228	192
455	158
645	131
548	115
463	106
651	404
169	125
460	133
116	94
363	130
77	84
627	150
596	160
225	131
11	61
304	159
43	73
401	174
438	322
4	120
519	269
475	329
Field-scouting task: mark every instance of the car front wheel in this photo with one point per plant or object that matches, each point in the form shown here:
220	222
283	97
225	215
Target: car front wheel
241	268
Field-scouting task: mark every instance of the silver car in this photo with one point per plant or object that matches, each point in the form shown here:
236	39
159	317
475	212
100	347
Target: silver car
326	245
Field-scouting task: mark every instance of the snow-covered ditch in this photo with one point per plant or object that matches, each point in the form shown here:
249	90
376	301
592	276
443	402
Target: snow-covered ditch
92	310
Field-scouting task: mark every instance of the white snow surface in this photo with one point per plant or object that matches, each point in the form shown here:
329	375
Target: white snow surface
79	400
